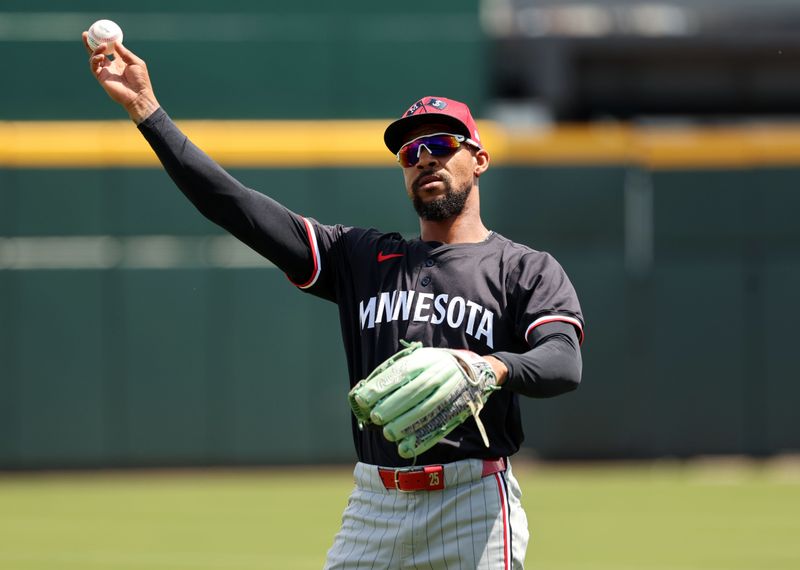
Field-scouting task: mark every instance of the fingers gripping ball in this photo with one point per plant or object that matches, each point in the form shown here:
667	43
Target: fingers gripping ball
419	395
103	32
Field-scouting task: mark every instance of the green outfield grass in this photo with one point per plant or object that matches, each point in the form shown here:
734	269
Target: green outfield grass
665	516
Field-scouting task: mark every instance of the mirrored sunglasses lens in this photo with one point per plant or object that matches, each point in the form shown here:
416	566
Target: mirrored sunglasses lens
437	145
408	155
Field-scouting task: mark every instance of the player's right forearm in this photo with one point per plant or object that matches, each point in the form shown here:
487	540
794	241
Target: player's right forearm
262	223
217	194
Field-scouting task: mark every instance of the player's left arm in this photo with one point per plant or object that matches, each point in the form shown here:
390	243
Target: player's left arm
499	368
552	367
547	314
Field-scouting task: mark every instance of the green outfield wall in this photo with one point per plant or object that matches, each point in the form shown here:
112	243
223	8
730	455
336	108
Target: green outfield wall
246	58
133	332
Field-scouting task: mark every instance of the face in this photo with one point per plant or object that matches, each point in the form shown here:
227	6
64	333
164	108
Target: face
440	186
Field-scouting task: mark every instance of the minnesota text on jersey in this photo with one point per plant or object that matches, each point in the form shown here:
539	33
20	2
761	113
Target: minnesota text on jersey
427	307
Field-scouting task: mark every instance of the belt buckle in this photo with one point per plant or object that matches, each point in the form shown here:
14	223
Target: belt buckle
397	479
432	478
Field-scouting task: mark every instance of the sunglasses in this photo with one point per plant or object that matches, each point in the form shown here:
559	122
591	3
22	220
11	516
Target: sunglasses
437	144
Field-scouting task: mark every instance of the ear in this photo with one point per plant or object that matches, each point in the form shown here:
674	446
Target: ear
481	162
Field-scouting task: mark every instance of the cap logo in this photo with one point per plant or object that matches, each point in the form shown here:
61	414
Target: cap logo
414	108
433	102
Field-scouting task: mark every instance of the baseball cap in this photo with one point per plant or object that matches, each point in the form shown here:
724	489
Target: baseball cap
429	110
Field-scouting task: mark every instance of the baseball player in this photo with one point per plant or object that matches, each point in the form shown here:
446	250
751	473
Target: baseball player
442	333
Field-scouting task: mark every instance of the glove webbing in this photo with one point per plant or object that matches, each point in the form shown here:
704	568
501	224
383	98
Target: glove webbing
431	423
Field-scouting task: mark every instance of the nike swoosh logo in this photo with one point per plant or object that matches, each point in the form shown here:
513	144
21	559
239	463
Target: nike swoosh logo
382	257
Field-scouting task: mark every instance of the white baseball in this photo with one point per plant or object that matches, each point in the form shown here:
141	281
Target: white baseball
103	31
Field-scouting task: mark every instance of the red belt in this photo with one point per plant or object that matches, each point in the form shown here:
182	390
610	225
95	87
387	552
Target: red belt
429	477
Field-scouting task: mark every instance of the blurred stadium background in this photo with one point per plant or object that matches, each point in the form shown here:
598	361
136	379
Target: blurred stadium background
652	147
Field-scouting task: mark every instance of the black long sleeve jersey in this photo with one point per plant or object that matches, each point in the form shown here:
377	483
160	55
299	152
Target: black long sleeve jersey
495	297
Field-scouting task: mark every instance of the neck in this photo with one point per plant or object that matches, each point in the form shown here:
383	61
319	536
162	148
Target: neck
467	227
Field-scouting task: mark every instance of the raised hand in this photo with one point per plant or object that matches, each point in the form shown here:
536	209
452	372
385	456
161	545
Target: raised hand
124	78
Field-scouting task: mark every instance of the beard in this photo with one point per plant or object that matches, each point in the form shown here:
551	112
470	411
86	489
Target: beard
443	207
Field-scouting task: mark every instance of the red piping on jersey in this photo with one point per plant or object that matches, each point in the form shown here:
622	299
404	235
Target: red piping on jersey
503	501
555	318
312	242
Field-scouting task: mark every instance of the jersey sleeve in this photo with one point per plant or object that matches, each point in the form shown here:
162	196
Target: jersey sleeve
544	294
339	254
327	245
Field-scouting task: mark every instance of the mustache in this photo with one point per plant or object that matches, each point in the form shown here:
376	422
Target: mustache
422	175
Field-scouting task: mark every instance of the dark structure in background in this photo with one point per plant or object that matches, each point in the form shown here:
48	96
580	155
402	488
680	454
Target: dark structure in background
621	59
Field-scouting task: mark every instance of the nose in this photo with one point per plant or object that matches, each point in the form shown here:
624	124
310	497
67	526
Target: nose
426	159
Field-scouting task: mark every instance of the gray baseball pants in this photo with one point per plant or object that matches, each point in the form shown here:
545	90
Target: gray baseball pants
475	522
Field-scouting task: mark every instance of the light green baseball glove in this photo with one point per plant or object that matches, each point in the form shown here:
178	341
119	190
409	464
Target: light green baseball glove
419	395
